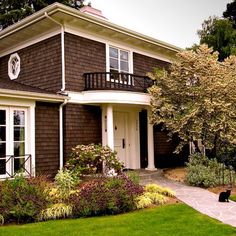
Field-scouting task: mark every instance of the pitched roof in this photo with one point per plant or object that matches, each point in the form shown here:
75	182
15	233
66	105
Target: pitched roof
14	88
38	23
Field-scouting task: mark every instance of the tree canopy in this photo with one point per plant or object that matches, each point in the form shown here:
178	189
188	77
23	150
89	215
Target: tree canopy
220	35
11	11
230	12
195	99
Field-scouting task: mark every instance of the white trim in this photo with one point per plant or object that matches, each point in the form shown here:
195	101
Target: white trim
30	42
32	138
109	96
110	129
10	105
30	95
61	133
14	75
105	40
151	158
65	10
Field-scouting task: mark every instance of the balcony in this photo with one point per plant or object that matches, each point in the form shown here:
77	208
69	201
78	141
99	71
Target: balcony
116	81
11	165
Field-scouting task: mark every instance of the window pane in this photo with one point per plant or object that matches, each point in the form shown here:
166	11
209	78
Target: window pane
2	167
2	134
2	117
18	165
2	149
19	118
113	52
19	149
114	64
124	66
19	133
124	55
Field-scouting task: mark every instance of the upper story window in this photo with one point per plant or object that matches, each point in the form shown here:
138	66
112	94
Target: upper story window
14	66
119	60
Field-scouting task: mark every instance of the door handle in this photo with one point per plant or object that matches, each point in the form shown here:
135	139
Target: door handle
123	143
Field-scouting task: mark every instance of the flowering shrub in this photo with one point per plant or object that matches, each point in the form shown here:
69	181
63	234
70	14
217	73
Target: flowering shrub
92	159
22	199
106	196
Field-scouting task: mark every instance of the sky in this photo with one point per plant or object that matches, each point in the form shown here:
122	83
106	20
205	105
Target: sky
172	21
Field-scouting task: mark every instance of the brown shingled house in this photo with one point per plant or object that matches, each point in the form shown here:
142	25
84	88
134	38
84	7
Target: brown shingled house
68	78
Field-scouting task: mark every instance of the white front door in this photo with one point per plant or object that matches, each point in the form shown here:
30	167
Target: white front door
120	140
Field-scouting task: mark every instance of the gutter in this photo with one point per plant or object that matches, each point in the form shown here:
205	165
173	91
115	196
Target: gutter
61	133
63	86
31	95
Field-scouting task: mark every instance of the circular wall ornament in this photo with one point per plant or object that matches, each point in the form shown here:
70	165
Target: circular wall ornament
14	66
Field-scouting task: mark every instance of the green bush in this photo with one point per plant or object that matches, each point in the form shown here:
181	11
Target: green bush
23	199
65	182
227	154
93	159
1	219
204	172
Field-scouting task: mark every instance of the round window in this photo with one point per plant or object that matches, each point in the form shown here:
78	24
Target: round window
14	66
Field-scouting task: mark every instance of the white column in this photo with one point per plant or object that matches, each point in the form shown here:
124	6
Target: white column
151	165
104	125
110	130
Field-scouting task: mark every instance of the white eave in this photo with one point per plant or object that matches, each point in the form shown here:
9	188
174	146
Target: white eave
38	23
8	93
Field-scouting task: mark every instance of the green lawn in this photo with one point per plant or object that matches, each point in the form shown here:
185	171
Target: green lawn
233	198
169	220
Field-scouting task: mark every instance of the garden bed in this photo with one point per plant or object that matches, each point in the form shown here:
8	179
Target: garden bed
179	173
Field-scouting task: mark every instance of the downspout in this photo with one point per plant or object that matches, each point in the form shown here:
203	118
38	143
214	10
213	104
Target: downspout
62	89
61	132
63	83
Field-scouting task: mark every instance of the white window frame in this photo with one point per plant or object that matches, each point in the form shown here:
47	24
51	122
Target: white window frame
130	60
10	135
14	74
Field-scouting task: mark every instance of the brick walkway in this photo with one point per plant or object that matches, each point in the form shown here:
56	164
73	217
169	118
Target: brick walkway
200	199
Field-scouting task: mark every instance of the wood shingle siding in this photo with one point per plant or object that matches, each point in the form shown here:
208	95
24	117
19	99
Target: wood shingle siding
144	64
40	65
82	56
47	138
82	125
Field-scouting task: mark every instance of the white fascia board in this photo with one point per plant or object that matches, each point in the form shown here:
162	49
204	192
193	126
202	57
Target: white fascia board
57	7
109	96
31	95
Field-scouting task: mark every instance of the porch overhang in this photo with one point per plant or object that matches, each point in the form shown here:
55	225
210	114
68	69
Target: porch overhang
109	97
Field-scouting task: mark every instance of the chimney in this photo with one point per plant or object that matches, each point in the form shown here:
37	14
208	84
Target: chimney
93	11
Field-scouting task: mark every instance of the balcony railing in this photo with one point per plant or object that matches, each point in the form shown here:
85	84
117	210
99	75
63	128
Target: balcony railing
116	81
11	165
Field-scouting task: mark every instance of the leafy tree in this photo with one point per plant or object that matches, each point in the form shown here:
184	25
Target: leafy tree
195	99
220	35
230	12
11	11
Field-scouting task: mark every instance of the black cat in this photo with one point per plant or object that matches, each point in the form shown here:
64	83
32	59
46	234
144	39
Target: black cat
224	196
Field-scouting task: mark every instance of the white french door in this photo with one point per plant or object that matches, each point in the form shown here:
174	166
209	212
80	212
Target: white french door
13	145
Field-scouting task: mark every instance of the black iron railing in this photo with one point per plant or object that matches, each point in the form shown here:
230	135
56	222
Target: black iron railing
11	165
116	81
